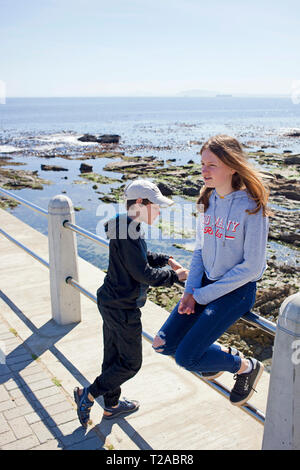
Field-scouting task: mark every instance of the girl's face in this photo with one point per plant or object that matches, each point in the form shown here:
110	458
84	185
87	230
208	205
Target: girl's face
215	173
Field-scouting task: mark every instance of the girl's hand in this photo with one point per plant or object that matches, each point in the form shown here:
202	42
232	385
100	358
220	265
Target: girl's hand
174	264
187	304
182	274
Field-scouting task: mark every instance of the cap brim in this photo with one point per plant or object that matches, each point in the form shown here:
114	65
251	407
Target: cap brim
162	201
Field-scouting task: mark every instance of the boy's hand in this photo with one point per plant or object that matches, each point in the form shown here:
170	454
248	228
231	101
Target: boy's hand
187	304
182	274
174	264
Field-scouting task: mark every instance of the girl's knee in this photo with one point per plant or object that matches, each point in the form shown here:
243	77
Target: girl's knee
160	345
159	342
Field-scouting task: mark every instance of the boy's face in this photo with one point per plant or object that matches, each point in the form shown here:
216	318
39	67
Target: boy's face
145	213
152	213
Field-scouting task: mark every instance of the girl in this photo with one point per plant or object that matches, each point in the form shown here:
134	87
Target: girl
221	285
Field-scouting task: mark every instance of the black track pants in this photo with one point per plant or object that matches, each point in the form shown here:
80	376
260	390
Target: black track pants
122	340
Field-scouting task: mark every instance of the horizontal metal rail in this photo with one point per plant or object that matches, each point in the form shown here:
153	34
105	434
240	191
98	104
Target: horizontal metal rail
86	233
20	245
24	202
250	317
220	388
259	322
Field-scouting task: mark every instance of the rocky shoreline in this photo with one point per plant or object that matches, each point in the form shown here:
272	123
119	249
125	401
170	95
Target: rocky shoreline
18	179
280	171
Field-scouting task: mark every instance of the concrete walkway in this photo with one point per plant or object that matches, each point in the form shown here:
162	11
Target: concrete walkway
44	362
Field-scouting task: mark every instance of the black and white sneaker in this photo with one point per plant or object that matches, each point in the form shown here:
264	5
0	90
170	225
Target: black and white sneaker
245	384
214	375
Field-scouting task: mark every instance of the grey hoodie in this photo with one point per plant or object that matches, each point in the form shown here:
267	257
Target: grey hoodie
230	248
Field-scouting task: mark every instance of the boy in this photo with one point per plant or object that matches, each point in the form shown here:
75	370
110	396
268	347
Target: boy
131	270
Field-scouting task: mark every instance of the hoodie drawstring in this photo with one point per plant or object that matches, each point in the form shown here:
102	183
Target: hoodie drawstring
226	220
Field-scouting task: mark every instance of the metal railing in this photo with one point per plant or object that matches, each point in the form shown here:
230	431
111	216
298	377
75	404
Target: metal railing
24	202
250	317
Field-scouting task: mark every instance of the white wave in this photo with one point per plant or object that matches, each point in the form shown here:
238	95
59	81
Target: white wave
288	130
9	149
44	148
70	139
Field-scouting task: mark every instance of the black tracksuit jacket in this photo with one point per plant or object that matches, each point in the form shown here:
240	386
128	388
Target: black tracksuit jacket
132	269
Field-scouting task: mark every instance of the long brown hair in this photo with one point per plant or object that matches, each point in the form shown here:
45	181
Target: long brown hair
230	151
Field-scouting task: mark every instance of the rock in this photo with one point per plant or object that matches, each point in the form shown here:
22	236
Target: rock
284	191
8	161
98	178
100	154
53	168
88	138
165	189
108	199
293	133
190	191
292	160
85	168
295	196
19	179
283	227
119	166
267	175
55	155
109	139
287	237
8	203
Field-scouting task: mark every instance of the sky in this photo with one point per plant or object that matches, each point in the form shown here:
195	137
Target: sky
148	47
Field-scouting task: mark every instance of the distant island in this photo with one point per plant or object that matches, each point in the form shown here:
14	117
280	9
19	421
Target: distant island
216	94
203	94
197	93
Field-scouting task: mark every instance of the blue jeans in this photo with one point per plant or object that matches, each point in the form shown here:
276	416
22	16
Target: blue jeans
190	338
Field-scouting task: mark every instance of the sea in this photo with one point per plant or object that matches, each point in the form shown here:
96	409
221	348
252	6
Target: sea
36	131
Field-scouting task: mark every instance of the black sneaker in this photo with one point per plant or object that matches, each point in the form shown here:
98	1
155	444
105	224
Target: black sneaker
125	407
214	375
245	384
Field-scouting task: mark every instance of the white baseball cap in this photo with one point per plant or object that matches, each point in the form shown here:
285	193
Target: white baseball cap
145	189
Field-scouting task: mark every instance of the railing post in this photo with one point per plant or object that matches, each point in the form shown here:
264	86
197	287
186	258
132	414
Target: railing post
65	301
282	425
